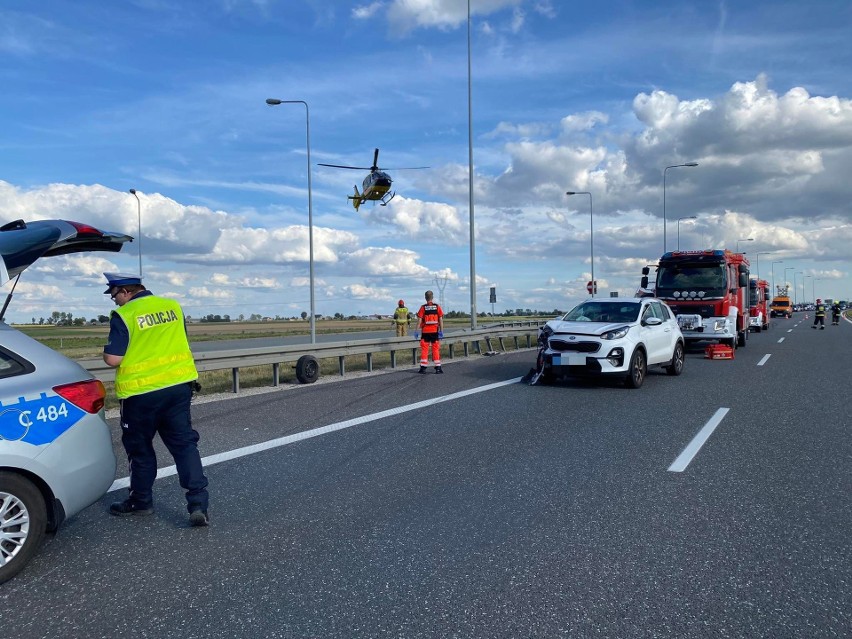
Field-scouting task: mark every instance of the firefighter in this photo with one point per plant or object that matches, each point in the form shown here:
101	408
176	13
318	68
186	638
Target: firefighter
835	313
401	319
819	315
431	333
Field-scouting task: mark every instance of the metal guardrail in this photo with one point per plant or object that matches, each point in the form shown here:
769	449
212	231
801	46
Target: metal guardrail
235	359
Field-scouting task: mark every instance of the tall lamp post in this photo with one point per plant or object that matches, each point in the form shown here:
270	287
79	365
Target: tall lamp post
591	235
470	181
747	239
757	255
139	239
688	217
275	102
775	290
813	287
673	166
803	286
788	268
796	288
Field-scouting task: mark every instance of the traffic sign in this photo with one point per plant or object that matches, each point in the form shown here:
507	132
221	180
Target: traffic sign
592	287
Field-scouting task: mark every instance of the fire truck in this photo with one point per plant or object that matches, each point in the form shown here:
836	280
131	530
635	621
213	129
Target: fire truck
708	292
758	313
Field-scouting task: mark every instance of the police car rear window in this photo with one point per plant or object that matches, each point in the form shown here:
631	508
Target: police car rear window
10	365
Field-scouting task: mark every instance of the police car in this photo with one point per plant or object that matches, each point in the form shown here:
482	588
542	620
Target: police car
56	454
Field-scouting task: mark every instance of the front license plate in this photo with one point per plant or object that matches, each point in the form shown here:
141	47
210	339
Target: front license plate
569	359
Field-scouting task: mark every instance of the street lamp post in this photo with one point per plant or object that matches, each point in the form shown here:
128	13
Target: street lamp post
757	255
747	239
796	288
591	235
673	166
139	238
688	217
813	287
470	181
803	286
775	290
275	102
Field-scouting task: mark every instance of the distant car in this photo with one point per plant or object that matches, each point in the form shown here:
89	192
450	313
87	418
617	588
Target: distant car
56	454
612	337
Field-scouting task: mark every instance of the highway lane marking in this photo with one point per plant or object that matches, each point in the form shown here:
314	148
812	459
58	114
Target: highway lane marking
168	471
789	330
780	340
683	460
763	359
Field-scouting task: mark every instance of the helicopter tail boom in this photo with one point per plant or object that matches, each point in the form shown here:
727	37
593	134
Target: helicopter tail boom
357	199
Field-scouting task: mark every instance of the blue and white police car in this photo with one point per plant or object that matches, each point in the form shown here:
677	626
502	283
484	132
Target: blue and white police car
56	454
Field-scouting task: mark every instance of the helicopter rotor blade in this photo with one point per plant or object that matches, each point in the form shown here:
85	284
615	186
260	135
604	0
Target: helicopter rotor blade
375	166
341	166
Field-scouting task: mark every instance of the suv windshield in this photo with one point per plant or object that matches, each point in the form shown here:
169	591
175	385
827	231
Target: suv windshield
601	312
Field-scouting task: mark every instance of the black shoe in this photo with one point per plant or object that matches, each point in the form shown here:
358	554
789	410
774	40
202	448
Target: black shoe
822	328
126	508
422	370
439	370
199	518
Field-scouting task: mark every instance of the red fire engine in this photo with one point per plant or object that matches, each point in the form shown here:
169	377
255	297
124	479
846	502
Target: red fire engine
758	312
708	292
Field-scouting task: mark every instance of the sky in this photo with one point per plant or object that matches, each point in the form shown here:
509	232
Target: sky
168	97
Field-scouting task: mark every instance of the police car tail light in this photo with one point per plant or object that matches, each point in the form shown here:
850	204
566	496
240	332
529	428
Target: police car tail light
88	395
85	229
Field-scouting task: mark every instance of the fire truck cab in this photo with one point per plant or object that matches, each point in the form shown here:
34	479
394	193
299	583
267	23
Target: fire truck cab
758	313
708	292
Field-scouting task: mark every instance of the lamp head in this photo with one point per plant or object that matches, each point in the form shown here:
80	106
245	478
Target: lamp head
272	101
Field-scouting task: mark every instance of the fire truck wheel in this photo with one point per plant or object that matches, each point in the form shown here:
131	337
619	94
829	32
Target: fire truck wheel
637	370
676	366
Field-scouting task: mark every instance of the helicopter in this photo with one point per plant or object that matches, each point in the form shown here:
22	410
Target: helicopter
376	186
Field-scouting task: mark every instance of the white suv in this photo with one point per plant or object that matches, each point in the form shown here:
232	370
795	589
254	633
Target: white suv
611	336
56	454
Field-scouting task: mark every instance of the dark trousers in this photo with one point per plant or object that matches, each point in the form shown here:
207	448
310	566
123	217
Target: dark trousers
819	319
167	412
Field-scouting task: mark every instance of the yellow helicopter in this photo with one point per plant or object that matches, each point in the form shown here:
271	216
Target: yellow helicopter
376	185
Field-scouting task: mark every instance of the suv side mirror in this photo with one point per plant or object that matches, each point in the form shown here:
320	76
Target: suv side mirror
652	321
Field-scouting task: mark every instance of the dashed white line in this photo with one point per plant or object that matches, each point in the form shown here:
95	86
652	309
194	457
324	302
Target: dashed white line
763	359
789	330
168	471
780	340
683	460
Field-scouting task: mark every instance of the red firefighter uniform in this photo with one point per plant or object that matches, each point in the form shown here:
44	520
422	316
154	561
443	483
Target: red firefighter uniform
431	330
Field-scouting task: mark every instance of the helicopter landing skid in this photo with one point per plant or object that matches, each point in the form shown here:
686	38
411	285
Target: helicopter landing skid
387	199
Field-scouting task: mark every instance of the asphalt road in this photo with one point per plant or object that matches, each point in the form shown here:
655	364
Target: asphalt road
471	505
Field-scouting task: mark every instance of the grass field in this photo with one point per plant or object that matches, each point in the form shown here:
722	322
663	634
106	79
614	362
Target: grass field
84	342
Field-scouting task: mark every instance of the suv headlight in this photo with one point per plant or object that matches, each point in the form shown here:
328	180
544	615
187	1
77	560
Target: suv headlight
616	333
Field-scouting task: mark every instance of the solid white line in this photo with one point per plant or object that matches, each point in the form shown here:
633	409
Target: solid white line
780	340
168	471
682	461
763	360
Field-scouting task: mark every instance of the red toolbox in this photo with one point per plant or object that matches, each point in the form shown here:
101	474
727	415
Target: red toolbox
719	351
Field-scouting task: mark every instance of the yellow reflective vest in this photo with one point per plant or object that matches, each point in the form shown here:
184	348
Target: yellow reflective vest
158	354
400	315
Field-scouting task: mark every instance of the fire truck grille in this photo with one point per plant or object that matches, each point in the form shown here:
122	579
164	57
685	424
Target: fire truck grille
704	310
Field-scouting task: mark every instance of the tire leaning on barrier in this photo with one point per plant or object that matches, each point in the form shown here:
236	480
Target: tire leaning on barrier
307	369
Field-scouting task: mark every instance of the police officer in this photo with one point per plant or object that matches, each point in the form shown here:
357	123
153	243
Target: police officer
154	375
431	333
835	313
401	319
819	315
